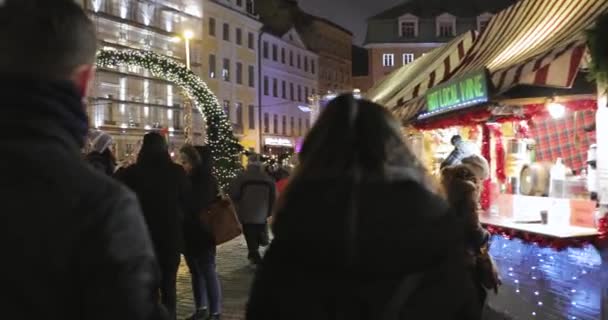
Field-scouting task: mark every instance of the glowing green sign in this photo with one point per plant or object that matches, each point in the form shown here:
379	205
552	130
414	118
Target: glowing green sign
461	93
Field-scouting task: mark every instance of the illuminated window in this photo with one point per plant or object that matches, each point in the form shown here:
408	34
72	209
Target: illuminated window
408	58
212	65
388	60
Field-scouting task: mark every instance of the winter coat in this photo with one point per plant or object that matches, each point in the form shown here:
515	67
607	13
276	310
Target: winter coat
198	238
253	193
164	193
310	272
74	241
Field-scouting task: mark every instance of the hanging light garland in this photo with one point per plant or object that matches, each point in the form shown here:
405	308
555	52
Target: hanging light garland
225	148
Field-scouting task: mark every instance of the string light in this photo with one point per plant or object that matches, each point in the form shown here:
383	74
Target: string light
225	148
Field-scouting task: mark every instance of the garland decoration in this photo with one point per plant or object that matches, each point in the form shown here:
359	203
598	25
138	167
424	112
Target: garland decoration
598	49
485	152
543	241
225	148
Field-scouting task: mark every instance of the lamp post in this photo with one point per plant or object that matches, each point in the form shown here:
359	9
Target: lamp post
188	118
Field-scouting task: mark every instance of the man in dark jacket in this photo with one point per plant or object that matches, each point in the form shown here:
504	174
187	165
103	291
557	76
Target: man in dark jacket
254	193
74	242
164	193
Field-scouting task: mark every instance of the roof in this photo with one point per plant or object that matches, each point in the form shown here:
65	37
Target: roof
306	17
433	8
360	61
533	42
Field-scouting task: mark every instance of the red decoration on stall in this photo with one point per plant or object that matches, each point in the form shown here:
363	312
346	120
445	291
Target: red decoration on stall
523	129
482	115
541	240
602	229
485	152
499	150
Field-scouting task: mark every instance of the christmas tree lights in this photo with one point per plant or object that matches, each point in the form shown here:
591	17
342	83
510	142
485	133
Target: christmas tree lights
225	148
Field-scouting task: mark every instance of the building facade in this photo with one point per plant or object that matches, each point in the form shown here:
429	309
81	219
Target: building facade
289	79
230	41
127	102
333	44
398	36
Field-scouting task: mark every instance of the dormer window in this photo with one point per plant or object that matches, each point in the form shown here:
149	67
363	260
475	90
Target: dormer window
483	21
446	25
408	26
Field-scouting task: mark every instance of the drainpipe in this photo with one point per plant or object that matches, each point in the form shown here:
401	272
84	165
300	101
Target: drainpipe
260	124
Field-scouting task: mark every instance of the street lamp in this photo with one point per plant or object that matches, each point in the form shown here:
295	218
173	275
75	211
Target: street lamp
188	35
188	123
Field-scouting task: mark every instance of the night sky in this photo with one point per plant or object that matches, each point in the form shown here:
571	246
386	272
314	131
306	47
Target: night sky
351	14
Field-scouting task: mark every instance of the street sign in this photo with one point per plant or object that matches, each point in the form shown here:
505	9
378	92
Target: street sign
461	93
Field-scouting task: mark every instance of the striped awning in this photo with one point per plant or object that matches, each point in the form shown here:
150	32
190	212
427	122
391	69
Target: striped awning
412	80
533	42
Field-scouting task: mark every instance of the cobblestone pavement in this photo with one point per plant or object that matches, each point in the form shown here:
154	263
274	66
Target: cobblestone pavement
235	275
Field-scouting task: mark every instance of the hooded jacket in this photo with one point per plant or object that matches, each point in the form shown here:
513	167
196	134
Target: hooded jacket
341	252
74	241
254	194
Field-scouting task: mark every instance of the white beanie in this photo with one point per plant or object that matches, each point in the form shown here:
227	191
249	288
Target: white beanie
100	141
479	165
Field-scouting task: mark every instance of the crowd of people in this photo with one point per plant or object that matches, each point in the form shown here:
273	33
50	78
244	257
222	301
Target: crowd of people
360	230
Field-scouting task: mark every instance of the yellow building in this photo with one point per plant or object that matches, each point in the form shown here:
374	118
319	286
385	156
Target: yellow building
230	63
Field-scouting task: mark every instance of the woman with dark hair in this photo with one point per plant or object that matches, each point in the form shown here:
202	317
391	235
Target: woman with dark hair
199	246
361	233
163	191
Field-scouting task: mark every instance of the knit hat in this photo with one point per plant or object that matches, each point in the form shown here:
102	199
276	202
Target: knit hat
479	165
99	141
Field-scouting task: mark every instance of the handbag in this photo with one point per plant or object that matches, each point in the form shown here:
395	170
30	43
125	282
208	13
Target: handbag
221	219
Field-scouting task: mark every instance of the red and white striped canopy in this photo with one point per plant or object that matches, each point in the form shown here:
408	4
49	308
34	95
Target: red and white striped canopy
533	42
424	72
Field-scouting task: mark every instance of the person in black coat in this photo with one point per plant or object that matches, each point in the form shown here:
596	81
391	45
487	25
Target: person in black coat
361	232
74	242
164	193
200	250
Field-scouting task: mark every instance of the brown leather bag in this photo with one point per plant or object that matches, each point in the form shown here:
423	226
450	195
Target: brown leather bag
222	221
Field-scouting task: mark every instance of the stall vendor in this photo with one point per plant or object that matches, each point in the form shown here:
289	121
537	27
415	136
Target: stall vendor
462	149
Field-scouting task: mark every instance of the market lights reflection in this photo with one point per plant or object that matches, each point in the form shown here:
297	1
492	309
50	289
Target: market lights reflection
545	283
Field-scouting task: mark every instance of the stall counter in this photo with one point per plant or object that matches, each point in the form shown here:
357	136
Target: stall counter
542	281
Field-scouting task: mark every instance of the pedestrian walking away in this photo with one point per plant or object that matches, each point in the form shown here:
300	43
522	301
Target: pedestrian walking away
199	249
74	240
362	232
254	193
165	196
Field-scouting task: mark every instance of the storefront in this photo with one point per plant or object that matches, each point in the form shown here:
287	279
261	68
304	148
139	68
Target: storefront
519	92
277	145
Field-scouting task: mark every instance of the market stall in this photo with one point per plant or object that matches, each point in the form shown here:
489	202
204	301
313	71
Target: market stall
521	95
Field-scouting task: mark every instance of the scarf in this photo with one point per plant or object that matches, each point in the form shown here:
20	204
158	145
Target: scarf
43	108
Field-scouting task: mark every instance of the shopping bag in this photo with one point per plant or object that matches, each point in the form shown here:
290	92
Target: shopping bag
222	221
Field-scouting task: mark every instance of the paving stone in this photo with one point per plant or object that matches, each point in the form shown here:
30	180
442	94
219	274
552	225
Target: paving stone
235	275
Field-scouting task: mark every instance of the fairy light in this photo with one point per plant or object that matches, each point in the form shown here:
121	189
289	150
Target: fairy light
225	148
